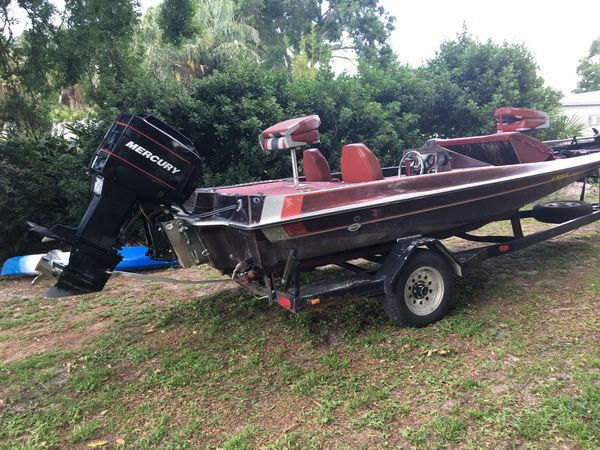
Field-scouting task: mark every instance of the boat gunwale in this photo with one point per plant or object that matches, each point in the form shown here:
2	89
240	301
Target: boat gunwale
415	195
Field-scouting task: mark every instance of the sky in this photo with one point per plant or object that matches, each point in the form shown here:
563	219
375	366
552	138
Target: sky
558	33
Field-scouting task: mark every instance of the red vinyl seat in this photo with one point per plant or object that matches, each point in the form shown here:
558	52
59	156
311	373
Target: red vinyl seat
359	164
315	166
291	133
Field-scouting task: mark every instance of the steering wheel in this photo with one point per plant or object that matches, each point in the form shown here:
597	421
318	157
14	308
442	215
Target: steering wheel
417	166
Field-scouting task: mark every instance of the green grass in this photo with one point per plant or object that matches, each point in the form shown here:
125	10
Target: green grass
514	364
242	440
84	431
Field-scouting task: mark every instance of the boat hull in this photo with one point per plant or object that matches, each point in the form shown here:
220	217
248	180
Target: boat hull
367	229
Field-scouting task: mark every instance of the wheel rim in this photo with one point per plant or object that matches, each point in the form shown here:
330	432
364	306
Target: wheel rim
424	290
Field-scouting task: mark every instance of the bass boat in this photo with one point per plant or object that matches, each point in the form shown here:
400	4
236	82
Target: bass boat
146	170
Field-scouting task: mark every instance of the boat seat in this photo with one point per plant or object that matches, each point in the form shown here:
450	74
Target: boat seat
359	164
315	166
291	134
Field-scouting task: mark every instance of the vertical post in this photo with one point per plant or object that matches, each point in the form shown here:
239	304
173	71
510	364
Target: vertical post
582	196
296	288
268	280
289	266
515	221
295	167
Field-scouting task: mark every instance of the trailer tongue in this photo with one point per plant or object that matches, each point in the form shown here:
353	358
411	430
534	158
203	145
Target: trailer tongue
141	168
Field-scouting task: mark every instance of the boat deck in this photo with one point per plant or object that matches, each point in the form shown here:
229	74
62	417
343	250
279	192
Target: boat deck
279	187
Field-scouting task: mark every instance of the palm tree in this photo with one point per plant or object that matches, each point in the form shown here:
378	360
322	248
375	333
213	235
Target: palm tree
220	39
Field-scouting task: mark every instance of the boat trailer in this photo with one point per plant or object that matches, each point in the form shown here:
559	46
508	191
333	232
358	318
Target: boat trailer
414	276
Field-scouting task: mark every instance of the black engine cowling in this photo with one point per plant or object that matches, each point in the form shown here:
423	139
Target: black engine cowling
141	166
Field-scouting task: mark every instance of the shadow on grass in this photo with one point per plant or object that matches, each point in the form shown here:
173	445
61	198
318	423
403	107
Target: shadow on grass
543	261
232	311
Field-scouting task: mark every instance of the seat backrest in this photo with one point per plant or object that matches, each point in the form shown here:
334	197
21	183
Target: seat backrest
359	164
291	133
315	166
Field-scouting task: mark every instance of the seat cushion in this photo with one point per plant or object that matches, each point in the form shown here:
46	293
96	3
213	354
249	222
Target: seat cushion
315	166
359	164
291	133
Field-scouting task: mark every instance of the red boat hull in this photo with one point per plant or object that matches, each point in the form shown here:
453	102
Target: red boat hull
436	205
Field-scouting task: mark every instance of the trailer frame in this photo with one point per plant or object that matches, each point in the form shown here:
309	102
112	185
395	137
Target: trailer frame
294	295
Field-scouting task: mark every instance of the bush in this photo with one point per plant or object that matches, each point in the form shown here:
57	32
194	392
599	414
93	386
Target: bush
43	181
389	109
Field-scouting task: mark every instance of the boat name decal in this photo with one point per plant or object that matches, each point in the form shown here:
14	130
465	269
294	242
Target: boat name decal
152	157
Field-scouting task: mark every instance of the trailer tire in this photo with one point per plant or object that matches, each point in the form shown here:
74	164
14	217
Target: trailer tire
423	290
561	210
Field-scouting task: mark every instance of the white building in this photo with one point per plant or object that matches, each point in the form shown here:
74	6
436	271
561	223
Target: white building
584	107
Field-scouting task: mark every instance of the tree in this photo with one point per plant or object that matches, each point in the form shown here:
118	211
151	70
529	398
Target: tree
94	44
480	77
218	39
176	20
589	69
25	64
317	28
90	41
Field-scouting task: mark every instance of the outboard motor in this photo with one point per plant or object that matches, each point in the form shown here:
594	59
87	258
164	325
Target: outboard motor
141	168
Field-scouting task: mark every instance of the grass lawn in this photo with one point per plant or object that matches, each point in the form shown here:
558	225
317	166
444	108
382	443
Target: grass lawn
516	364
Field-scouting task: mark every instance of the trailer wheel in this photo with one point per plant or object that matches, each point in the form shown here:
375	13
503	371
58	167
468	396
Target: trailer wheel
561	211
423	291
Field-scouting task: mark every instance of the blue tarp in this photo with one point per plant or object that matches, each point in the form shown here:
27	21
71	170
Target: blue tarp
134	258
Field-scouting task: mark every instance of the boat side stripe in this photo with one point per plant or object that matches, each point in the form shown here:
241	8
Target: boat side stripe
292	206
384	218
272	207
541	168
418	194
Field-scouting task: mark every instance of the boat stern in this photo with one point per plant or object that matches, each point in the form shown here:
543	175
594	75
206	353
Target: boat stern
141	169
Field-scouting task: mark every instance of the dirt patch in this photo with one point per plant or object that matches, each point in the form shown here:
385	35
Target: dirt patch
43	340
161	294
20	287
70	328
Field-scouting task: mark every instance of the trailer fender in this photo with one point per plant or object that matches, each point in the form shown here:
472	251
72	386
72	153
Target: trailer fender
455	264
401	254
